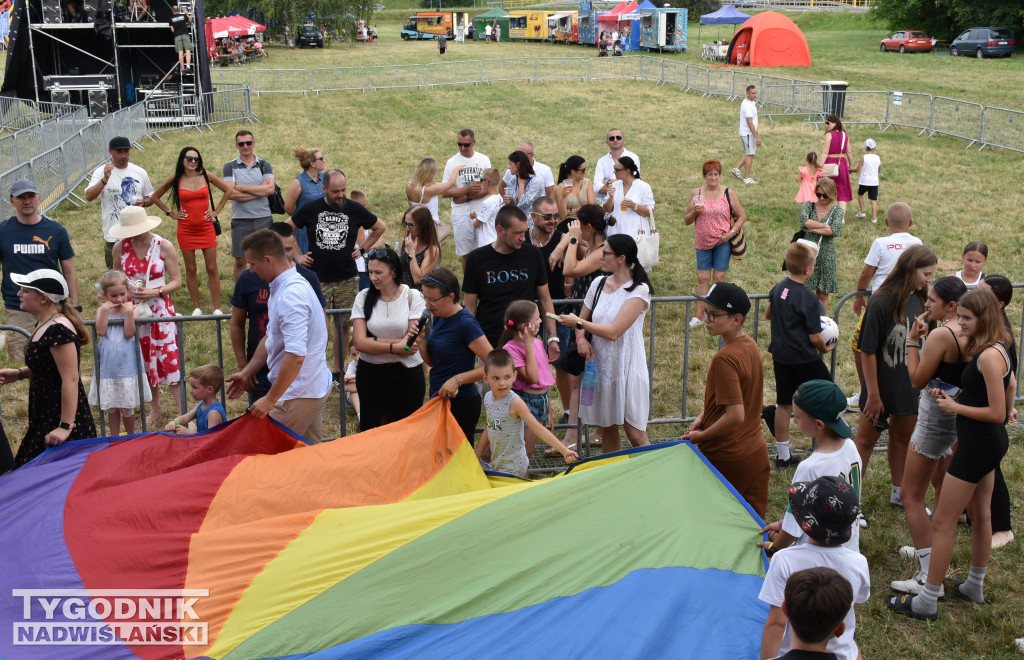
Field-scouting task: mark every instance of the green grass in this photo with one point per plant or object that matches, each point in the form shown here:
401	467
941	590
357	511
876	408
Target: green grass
957	196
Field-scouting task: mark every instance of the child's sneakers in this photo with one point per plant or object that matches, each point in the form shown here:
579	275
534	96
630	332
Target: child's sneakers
860	214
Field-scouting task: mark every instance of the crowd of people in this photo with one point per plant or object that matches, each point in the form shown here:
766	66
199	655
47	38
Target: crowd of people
936	359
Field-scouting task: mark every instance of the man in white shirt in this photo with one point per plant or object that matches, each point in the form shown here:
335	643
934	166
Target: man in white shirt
604	172
118	184
748	135
468	193
295	346
539	169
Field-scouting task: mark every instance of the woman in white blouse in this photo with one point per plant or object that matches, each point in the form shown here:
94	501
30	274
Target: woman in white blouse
389	376
631	201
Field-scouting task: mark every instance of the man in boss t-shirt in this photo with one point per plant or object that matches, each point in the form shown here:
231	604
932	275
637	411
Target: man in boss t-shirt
181	29
505	271
468	193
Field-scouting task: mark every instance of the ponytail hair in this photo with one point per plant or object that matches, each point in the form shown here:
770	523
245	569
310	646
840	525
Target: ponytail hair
593	216
949	288
76	320
628	163
623	245
812	160
519	312
571	163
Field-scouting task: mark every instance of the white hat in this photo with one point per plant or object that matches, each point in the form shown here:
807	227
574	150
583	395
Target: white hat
46	281
134	221
870	143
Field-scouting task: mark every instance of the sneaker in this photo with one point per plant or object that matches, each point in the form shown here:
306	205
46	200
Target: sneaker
736	172
790	462
1020	644
860	214
197	312
337	380
908	552
896	504
217	312
914	585
862	522
695	322
749	181
874	220
564	419
853	403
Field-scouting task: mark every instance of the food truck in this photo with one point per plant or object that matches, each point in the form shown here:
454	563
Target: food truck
587	23
432	24
663	29
528	25
563	27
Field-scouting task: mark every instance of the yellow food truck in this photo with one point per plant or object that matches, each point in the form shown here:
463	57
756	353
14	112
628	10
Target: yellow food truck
528	25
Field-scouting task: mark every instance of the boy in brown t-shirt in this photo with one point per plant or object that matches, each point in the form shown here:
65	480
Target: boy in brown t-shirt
728	431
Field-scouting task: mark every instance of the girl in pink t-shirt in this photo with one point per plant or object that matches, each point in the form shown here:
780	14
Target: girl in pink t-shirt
533	374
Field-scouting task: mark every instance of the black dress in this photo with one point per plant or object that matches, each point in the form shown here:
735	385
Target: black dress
44	394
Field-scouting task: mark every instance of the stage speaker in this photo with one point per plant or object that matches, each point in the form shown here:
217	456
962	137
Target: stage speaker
97	103
58	96
51	11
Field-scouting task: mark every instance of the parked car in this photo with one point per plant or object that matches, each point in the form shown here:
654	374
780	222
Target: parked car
309	36
984	42
911	40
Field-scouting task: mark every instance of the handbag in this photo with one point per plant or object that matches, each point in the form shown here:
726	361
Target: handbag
574	363
217	231
648	246
738	243
831	170
277	199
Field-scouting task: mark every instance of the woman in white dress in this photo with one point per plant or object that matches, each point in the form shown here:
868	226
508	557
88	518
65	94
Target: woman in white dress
631	201
616	322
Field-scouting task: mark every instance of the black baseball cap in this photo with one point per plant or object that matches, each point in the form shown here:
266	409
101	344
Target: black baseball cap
826	508
728	297
119	142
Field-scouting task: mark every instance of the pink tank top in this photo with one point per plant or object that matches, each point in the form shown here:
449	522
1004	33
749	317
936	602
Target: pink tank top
715	221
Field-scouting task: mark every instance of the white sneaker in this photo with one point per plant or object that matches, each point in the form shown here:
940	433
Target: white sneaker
914	585
908	552
853	402
749	181
696	322
1020	644
217	311
197	312
860	214
874	220
736	172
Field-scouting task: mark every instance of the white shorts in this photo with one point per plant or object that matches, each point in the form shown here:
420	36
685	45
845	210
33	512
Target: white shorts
749	144
465	236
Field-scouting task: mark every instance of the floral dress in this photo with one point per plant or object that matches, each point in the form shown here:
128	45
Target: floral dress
159	341
825	277
44	391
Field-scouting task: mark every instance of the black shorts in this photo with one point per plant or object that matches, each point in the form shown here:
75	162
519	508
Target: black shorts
982	446
788	377
872	192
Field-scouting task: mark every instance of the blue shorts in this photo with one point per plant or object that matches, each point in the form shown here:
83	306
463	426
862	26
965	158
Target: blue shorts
364	281
537	403
717	258
564	335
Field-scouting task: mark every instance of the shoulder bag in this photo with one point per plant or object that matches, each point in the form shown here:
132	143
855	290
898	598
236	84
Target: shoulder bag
216	221
648	245
277	199
738	243
831	170
574	362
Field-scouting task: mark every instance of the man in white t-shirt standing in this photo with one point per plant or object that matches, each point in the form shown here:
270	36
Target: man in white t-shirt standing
468	193
604	171
539	169
748	135
118	184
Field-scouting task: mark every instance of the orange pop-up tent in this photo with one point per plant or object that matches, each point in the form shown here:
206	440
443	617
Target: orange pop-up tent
769	39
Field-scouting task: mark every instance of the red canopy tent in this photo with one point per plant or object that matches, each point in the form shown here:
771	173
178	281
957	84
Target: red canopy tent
229	26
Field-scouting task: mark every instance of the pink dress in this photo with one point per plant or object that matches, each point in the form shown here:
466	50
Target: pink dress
843	191
810	179
159	341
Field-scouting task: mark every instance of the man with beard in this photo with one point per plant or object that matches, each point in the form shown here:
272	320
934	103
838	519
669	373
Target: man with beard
118	184
334	225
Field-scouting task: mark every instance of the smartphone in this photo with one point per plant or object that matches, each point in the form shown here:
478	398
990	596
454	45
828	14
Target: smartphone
952	391
554	317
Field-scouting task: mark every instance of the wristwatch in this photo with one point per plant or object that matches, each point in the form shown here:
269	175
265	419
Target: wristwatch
362	250
579	324
67	426
573	241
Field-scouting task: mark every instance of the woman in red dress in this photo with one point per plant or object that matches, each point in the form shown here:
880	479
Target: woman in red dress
192	196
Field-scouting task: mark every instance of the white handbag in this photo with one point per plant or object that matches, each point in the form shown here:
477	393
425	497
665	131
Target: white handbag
648	246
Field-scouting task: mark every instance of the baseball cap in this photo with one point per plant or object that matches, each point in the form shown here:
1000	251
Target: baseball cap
22	186
870	144
119	142
824	400
46	281
825	508
729	297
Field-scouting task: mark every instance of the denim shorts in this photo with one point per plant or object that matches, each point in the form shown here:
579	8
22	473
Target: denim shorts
717	258
537	403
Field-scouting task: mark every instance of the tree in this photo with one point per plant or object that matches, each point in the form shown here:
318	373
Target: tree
946	19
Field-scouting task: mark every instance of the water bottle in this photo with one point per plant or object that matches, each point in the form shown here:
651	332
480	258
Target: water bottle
589	381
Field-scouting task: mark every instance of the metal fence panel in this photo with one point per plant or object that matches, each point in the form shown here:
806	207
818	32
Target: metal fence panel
344	78
792	99
48	174
393	77
1003	128
562	68
267	81
506	70
720	82
233	105
912	110
857	107
741	81
697	79
627	66
674	73
465	72
232	77
957	118
652	68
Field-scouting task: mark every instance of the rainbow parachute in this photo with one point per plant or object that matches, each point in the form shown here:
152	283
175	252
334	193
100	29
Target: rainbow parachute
391	543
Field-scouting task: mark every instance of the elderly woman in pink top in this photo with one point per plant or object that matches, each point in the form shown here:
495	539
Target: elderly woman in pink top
717	216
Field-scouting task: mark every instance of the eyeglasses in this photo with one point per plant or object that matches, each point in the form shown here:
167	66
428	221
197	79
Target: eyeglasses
433	301
614	137
711	316
246	143
821	195
410	225
546	216
465	145
192	159
379	254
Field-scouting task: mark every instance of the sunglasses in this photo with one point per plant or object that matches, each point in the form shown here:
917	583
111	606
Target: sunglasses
379	254
547	216
192	159
318	158
582	169
246	143
615	137
465	145
619	169
821	195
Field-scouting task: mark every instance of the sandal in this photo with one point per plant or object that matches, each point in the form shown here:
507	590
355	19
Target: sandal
953	587
552	452
901	605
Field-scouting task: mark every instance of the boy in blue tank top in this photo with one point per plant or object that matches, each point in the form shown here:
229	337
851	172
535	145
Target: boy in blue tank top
204	383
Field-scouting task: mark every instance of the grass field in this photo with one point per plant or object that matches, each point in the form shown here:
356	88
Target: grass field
957	196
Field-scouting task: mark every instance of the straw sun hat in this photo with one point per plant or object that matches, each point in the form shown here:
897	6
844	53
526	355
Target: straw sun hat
134	222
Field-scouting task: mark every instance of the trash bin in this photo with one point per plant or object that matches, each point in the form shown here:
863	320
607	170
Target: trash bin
835	97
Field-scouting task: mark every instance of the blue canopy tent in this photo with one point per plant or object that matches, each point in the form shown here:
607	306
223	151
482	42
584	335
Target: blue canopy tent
727	15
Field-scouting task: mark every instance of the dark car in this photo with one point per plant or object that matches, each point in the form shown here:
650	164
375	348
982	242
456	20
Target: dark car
905	40
309	36
984	42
